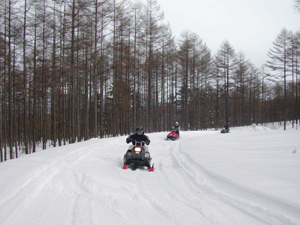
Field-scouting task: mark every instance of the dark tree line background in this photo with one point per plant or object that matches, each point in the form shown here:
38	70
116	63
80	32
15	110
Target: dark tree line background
71	70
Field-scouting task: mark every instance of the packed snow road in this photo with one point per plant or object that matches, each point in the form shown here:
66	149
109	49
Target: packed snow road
203	178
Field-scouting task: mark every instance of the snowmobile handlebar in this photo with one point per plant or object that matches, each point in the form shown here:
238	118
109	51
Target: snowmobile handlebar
141	143
135	142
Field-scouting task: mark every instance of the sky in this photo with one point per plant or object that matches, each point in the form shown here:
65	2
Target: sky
250	26
249	176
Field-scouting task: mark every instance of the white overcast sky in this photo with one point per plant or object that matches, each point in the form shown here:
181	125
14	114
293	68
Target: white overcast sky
250	26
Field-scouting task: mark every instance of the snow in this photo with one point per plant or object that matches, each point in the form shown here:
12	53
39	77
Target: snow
248	176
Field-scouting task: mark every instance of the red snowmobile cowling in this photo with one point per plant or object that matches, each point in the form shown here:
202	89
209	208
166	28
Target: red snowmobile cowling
172	136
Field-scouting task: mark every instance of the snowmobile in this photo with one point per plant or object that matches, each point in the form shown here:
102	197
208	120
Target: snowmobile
223	131
137	158
173	135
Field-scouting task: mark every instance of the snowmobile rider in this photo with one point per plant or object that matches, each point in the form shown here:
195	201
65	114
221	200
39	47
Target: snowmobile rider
139	136
226	128
176	128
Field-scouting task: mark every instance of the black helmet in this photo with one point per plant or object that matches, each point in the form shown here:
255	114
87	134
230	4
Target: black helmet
139	130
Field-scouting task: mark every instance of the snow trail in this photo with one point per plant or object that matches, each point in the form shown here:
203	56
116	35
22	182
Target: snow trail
202	178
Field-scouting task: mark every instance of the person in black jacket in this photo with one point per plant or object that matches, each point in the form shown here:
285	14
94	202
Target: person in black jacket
138	136
176	128
226	128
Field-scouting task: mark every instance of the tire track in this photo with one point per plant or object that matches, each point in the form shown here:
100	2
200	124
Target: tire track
256	211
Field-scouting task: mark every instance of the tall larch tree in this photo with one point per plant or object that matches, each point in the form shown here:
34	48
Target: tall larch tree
152	19
279	57
226	63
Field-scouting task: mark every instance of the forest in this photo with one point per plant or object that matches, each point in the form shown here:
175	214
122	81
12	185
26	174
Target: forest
72	70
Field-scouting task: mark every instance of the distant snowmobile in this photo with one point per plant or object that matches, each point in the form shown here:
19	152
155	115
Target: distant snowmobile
137	158
173	135
225	130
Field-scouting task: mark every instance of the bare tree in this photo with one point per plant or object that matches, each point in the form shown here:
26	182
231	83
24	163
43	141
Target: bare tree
185	56
27	7
153	17
279	58
297	5
226	62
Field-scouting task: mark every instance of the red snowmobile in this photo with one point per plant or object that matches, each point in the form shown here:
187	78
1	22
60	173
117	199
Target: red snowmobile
173	135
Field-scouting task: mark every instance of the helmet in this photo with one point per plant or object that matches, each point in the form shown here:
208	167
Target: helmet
176	123
139	130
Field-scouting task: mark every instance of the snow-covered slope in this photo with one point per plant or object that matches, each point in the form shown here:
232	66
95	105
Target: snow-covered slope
249	176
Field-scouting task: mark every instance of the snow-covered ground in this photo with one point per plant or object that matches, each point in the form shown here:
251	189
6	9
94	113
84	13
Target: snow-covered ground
249	176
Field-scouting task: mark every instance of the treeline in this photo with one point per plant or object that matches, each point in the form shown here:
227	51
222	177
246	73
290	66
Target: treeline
71	70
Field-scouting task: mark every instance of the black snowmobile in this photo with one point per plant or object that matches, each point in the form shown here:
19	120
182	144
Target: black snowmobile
137	158
225	130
